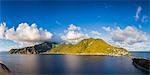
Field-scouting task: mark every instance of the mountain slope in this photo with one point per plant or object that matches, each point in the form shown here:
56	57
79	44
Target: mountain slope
89	47
36	49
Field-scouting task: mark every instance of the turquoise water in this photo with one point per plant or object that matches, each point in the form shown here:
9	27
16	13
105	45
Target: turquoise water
72	64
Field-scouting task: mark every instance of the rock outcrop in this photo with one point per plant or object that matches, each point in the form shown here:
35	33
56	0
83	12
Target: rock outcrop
141	63
4	70
36	49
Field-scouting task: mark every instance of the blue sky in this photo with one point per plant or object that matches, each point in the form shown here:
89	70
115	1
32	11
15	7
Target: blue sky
55	16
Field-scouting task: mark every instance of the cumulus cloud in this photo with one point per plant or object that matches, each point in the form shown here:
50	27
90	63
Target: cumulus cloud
139	9
106	29
2	30
72	34
129	35
135	47
25	33
118	35
73	27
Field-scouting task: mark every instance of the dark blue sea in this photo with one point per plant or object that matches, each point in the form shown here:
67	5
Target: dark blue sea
72	64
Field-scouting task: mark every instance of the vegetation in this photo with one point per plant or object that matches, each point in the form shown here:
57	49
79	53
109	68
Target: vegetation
89	47
85	47
36	49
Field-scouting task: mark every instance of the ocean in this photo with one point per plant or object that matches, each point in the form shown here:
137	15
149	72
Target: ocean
57	64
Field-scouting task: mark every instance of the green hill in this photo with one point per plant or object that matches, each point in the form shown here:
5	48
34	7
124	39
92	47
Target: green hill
89	47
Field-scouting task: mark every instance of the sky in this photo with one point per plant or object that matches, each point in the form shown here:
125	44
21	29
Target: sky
122	23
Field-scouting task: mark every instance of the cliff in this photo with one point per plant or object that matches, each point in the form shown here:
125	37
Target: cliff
36	49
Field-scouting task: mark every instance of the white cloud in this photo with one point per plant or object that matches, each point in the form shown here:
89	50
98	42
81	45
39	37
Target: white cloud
2	30
143	46
106	29
72	35
96	33
129	35
118	35
27	34
73	27
139	9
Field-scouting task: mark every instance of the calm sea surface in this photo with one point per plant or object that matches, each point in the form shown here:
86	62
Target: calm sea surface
72	64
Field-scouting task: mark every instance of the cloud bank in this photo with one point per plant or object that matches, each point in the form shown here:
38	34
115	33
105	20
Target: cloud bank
130	35
130	38
25	33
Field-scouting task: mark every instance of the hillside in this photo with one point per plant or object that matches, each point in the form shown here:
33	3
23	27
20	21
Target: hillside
36	49
89	47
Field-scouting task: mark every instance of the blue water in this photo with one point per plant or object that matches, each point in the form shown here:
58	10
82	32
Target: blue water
141	54
72	64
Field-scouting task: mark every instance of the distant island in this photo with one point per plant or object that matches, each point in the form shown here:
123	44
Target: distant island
88	46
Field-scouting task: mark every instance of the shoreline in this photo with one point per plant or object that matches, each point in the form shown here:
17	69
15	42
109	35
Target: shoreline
74	54
138	62
83	54
79	54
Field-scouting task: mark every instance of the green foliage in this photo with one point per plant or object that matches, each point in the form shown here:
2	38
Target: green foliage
89	46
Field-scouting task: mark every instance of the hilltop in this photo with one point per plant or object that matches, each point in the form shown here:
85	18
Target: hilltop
89	47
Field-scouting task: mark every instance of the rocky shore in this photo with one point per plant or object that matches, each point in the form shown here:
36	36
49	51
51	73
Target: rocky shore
4	70
141	63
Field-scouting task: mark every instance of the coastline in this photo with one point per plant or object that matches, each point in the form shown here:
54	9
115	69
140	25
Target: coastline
84	54
80	54
141	63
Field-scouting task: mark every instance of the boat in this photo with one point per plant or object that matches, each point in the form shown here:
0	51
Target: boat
141	63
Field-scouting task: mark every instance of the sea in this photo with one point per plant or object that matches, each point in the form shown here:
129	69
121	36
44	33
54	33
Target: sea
57	64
